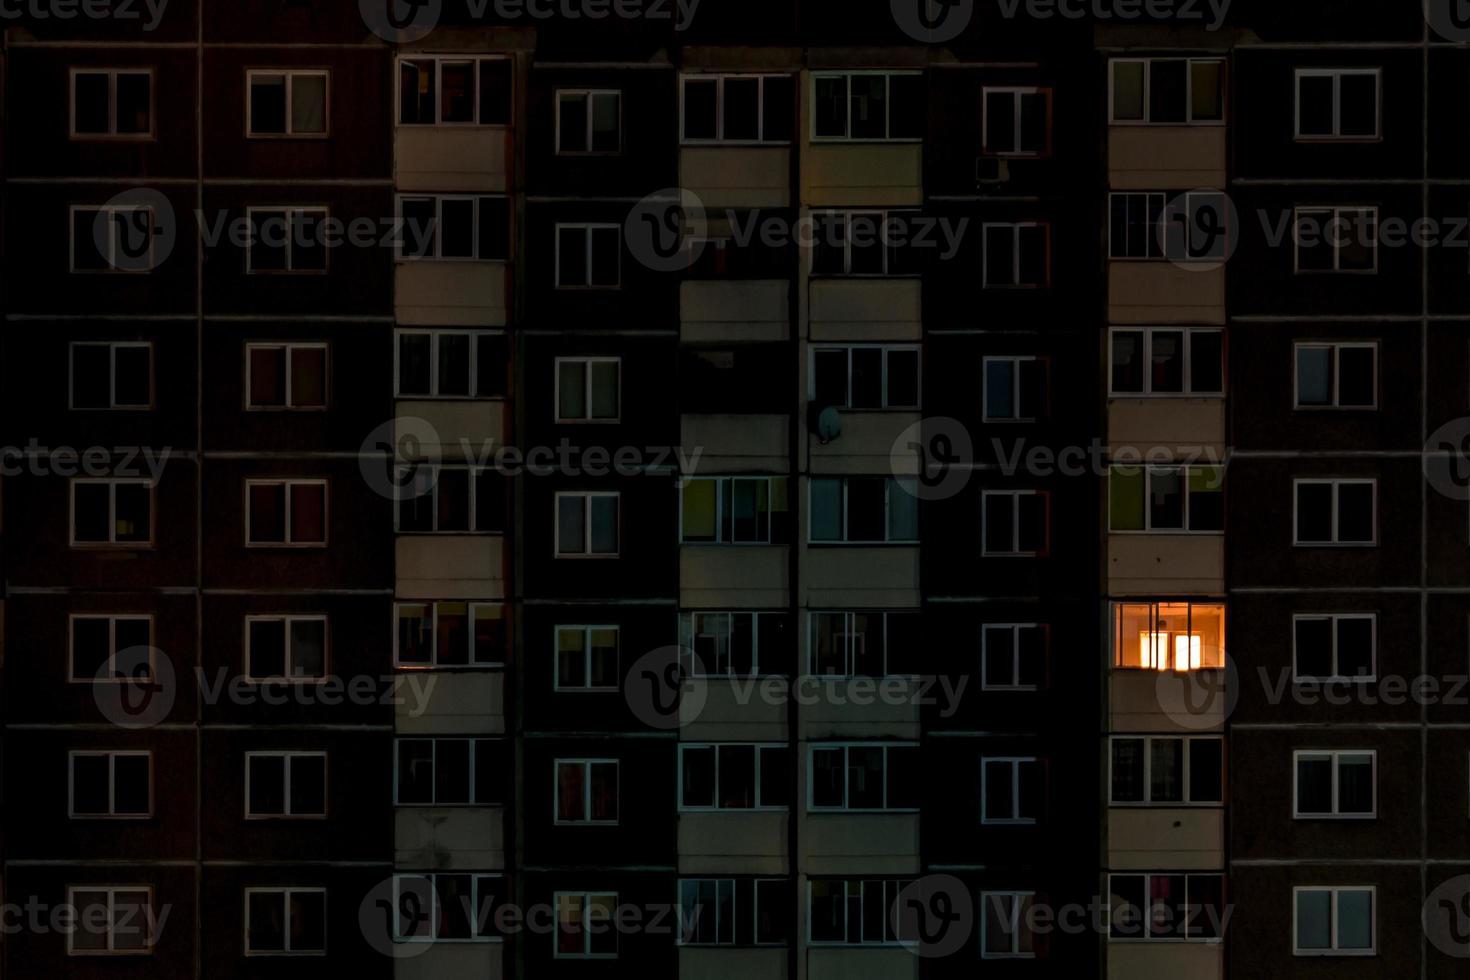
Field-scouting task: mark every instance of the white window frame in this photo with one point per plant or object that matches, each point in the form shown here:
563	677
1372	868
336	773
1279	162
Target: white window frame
888	107
113	482
112	346
1333	923
112	621
883	215
1337	75
1144	918
722	502
1334	220
1014	916
1184	471
140	266
285	620
590	95
433	471
288	759
586	765
290	347
687	924
1336	347
150	920
1336	677
847	349
1014	361
1335	756
1016	92
290	75
1186	359
290	212
587	385
439	61
689	623
1015	496
286	893
846	748
435	253
849	634
587	228
112	76
1148	64
1016	764
1185	744
111	755
890	889
1336	483
1015	672
432	605
719	78
433	914
287	484
586	631
472	782
759	749
1015	233
893	484
608	925
434	334
587	535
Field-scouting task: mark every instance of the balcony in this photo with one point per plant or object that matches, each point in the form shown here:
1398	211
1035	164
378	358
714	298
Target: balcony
457	423
733	842
1165	701
484	961
859	708
857	844
734	576
1162	292
450	566
865	445
1155	158
734	310
737	176
855	576
704	963
1181	838
463	159
863	175
454	702
445	293
1184	425
866	310
733	444
449	838
1166	564
1198	961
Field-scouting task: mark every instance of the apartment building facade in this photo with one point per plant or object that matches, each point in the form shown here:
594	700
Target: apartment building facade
771	493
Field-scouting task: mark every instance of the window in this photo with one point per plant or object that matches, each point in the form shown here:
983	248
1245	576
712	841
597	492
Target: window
291	513
115	238
1166	907
286	240
451	633
111	102
1011	790
111	920
289	647
863	776
1335	512
1166	499
286	103
107	375
1012	656
285	376
588	389
734	776
285	784
111	512
589	121
1015	523
587	658
1015	388
734	510
873	105
1334	921
1006	925
1167	90
454	227
855	911
110	785
451	364
1336	239
735	109
454	91
1167	361
285	921
1336	375
735	644
1153	225
865	644
441	499
864	243
865	377
447	772
110	648
864	510
732	911
1334	647
447	907
1334	784
1338	103
587	525
585	925
1017	255
1016	122
588	256
1167	770
586	791
1169	635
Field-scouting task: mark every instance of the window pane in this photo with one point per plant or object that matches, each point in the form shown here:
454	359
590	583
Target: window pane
267	376
1314	512
1206	362
1355	919
308	784
309	104
267	648
606	122
909	109
698	768
90	784
1356	388
1167	362
1128	361
742	108
571	524
131	789
1314	784
866	508
454	364
779	96
92	97
308	513
604	525
700	498
134	102
903	379
1166	770
605	395
1166	499
1314	105
1127	774
452	771
1314	375
1359	105
267	784
495	91
1000	392
737	776
1355	646
1355	512
573	123
416	91
1355	783
1128	90
869	106
830	106
826	517
457	91
1207	93
309	377
903	511
1126	498
699	108
457	229
268	104
1313	919
1314	647
572	389
266	912
1166	91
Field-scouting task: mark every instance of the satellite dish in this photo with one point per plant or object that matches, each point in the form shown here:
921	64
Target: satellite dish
829	425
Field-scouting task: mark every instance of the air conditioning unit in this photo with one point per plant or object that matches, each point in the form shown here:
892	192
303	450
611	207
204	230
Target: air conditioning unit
992	170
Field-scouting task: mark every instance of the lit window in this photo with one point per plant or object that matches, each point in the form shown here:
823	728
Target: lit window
1169	635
